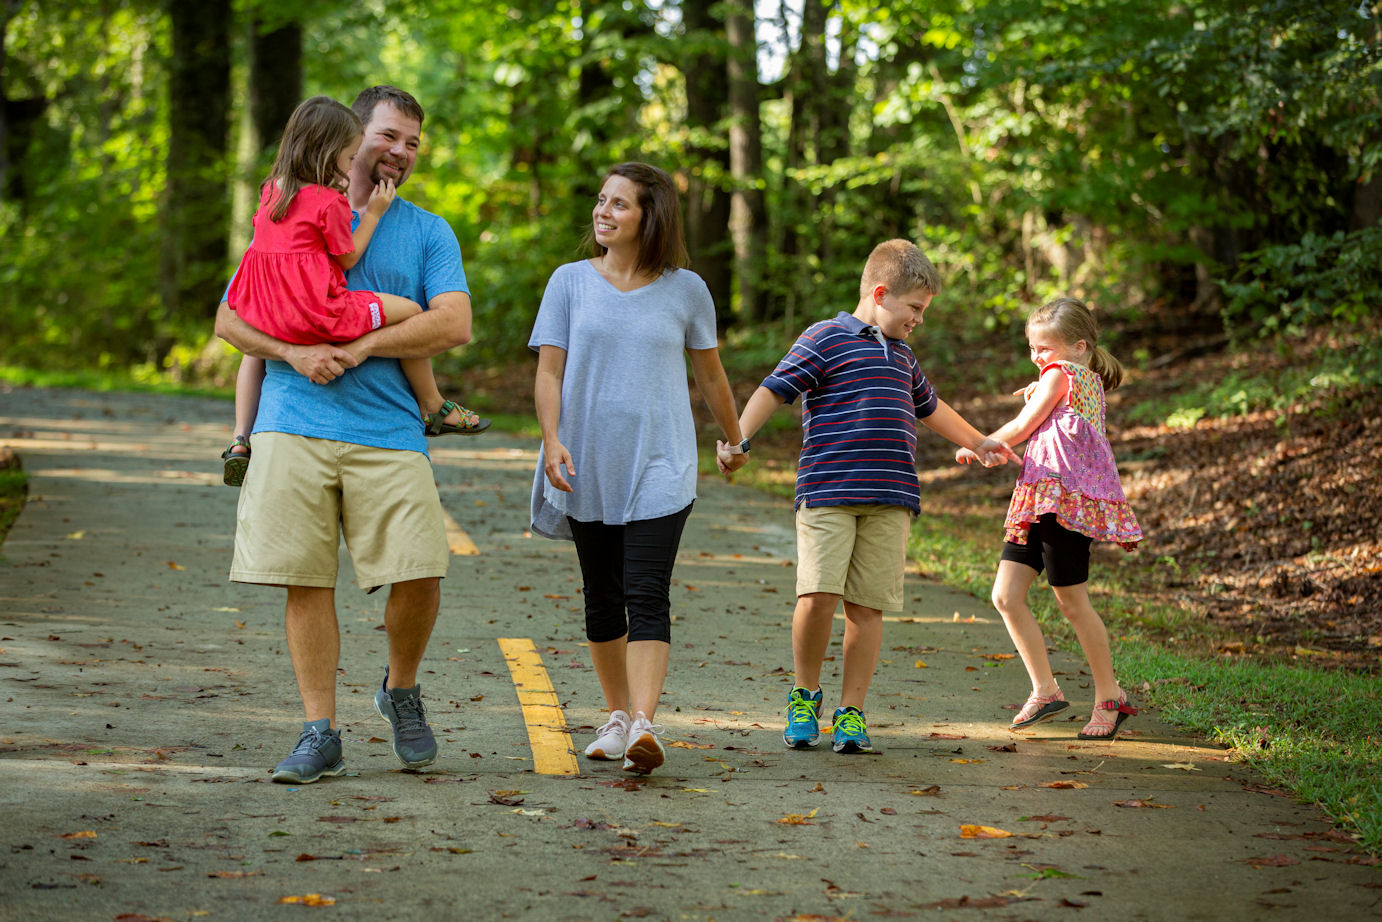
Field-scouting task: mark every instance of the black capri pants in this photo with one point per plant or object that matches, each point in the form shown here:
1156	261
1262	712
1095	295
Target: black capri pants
1063	553
627	570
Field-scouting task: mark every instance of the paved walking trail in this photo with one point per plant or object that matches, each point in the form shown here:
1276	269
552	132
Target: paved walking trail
144	698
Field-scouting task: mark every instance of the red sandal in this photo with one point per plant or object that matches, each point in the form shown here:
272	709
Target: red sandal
1123	710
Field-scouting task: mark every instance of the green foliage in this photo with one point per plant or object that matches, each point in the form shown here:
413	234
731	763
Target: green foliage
1288	288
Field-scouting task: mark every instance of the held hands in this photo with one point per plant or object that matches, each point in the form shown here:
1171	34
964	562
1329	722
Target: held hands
381	197
728	463
991	453
555	457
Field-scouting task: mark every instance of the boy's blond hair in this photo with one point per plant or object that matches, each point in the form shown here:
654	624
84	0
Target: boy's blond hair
901	267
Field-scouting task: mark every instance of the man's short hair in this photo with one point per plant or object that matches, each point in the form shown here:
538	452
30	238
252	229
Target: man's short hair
901	267
401	100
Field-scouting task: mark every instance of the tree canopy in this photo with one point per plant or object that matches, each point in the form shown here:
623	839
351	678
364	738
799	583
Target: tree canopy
1217	161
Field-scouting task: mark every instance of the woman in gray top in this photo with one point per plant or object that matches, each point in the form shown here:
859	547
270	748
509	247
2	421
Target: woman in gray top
617	471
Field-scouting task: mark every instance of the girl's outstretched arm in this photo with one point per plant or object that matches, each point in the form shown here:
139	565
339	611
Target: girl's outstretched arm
1050	390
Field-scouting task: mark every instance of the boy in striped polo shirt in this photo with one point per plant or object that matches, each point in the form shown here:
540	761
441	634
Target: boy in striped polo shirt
857	484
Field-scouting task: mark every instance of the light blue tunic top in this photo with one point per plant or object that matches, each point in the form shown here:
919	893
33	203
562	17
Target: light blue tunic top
625	405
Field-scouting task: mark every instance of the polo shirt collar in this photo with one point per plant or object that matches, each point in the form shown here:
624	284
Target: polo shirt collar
859	328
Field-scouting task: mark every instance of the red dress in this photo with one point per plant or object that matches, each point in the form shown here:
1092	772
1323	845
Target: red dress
289	287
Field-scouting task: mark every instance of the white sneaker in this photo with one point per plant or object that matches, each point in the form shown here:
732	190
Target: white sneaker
610	739
644	752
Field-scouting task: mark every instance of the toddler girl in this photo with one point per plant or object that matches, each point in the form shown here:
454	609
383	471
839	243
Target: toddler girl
291	281
1066	497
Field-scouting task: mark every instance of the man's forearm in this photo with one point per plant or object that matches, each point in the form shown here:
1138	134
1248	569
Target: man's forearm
246	338
445	325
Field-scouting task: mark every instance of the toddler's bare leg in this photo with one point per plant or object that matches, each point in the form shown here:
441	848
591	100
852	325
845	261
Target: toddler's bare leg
249	380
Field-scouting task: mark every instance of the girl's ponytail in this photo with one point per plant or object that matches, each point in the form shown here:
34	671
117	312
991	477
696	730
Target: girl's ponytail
1103	364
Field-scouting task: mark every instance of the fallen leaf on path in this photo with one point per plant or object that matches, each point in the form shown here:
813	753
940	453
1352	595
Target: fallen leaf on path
964	902
921	665
506	798
1043	818
929	791
84	834
997	657
173	565
983	832
682	744
1181	766
341	820
76	536
947	736
1006	747
233	875
1272	861
1137	802
309	899
968	761
887	811
798	819
1065	785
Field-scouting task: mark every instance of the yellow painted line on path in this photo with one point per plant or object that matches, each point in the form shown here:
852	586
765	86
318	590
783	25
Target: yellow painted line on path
457	540
547	735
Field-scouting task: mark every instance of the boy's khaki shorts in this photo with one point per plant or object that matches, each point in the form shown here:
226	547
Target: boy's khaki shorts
302	493
858	552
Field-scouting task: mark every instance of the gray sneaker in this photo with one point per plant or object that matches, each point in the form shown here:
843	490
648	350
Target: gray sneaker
317	753
413	741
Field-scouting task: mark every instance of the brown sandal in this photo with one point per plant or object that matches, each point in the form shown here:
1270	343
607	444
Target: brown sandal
237	462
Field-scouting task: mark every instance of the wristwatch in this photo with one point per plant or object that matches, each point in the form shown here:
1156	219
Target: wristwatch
741	449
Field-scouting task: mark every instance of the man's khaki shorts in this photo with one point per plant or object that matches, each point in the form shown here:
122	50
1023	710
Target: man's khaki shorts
301	494
858	552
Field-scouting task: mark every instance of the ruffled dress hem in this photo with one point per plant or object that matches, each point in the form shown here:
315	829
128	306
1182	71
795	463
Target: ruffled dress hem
1100	519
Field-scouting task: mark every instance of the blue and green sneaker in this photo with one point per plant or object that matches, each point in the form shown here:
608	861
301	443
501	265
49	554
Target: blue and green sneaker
850	732
317	755
803	715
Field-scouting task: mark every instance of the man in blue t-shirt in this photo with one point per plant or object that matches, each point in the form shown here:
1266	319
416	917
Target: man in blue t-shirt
339	449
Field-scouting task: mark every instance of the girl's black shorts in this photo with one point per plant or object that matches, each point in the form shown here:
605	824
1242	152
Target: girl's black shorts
1063	553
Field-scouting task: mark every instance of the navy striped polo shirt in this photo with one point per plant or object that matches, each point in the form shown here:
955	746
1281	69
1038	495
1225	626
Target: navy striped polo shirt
863	396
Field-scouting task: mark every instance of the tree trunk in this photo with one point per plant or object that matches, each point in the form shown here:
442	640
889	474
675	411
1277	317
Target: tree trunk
748	213
707	199
193	258
275	89
275	81
17	119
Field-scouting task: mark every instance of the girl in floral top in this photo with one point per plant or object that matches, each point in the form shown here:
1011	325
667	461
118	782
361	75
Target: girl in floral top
1066	497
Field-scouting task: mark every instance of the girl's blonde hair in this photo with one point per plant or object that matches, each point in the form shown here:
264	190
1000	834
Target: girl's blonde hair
318	131
1072	321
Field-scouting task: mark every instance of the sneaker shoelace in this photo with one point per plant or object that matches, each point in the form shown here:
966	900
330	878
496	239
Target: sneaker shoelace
311	741
411	714
850	723
614	724
646	727
801	709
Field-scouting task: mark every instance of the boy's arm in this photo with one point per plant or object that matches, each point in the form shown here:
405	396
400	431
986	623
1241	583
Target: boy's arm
951	425
756	412
1042	398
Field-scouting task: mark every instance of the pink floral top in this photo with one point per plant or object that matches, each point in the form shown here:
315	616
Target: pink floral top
1068	469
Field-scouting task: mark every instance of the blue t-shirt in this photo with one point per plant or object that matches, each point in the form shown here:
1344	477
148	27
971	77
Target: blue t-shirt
864	395
413	254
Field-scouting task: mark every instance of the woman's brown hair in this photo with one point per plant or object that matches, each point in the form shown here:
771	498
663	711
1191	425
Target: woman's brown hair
661	241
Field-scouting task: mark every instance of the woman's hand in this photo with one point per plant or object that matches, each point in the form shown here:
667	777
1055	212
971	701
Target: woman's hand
555	457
